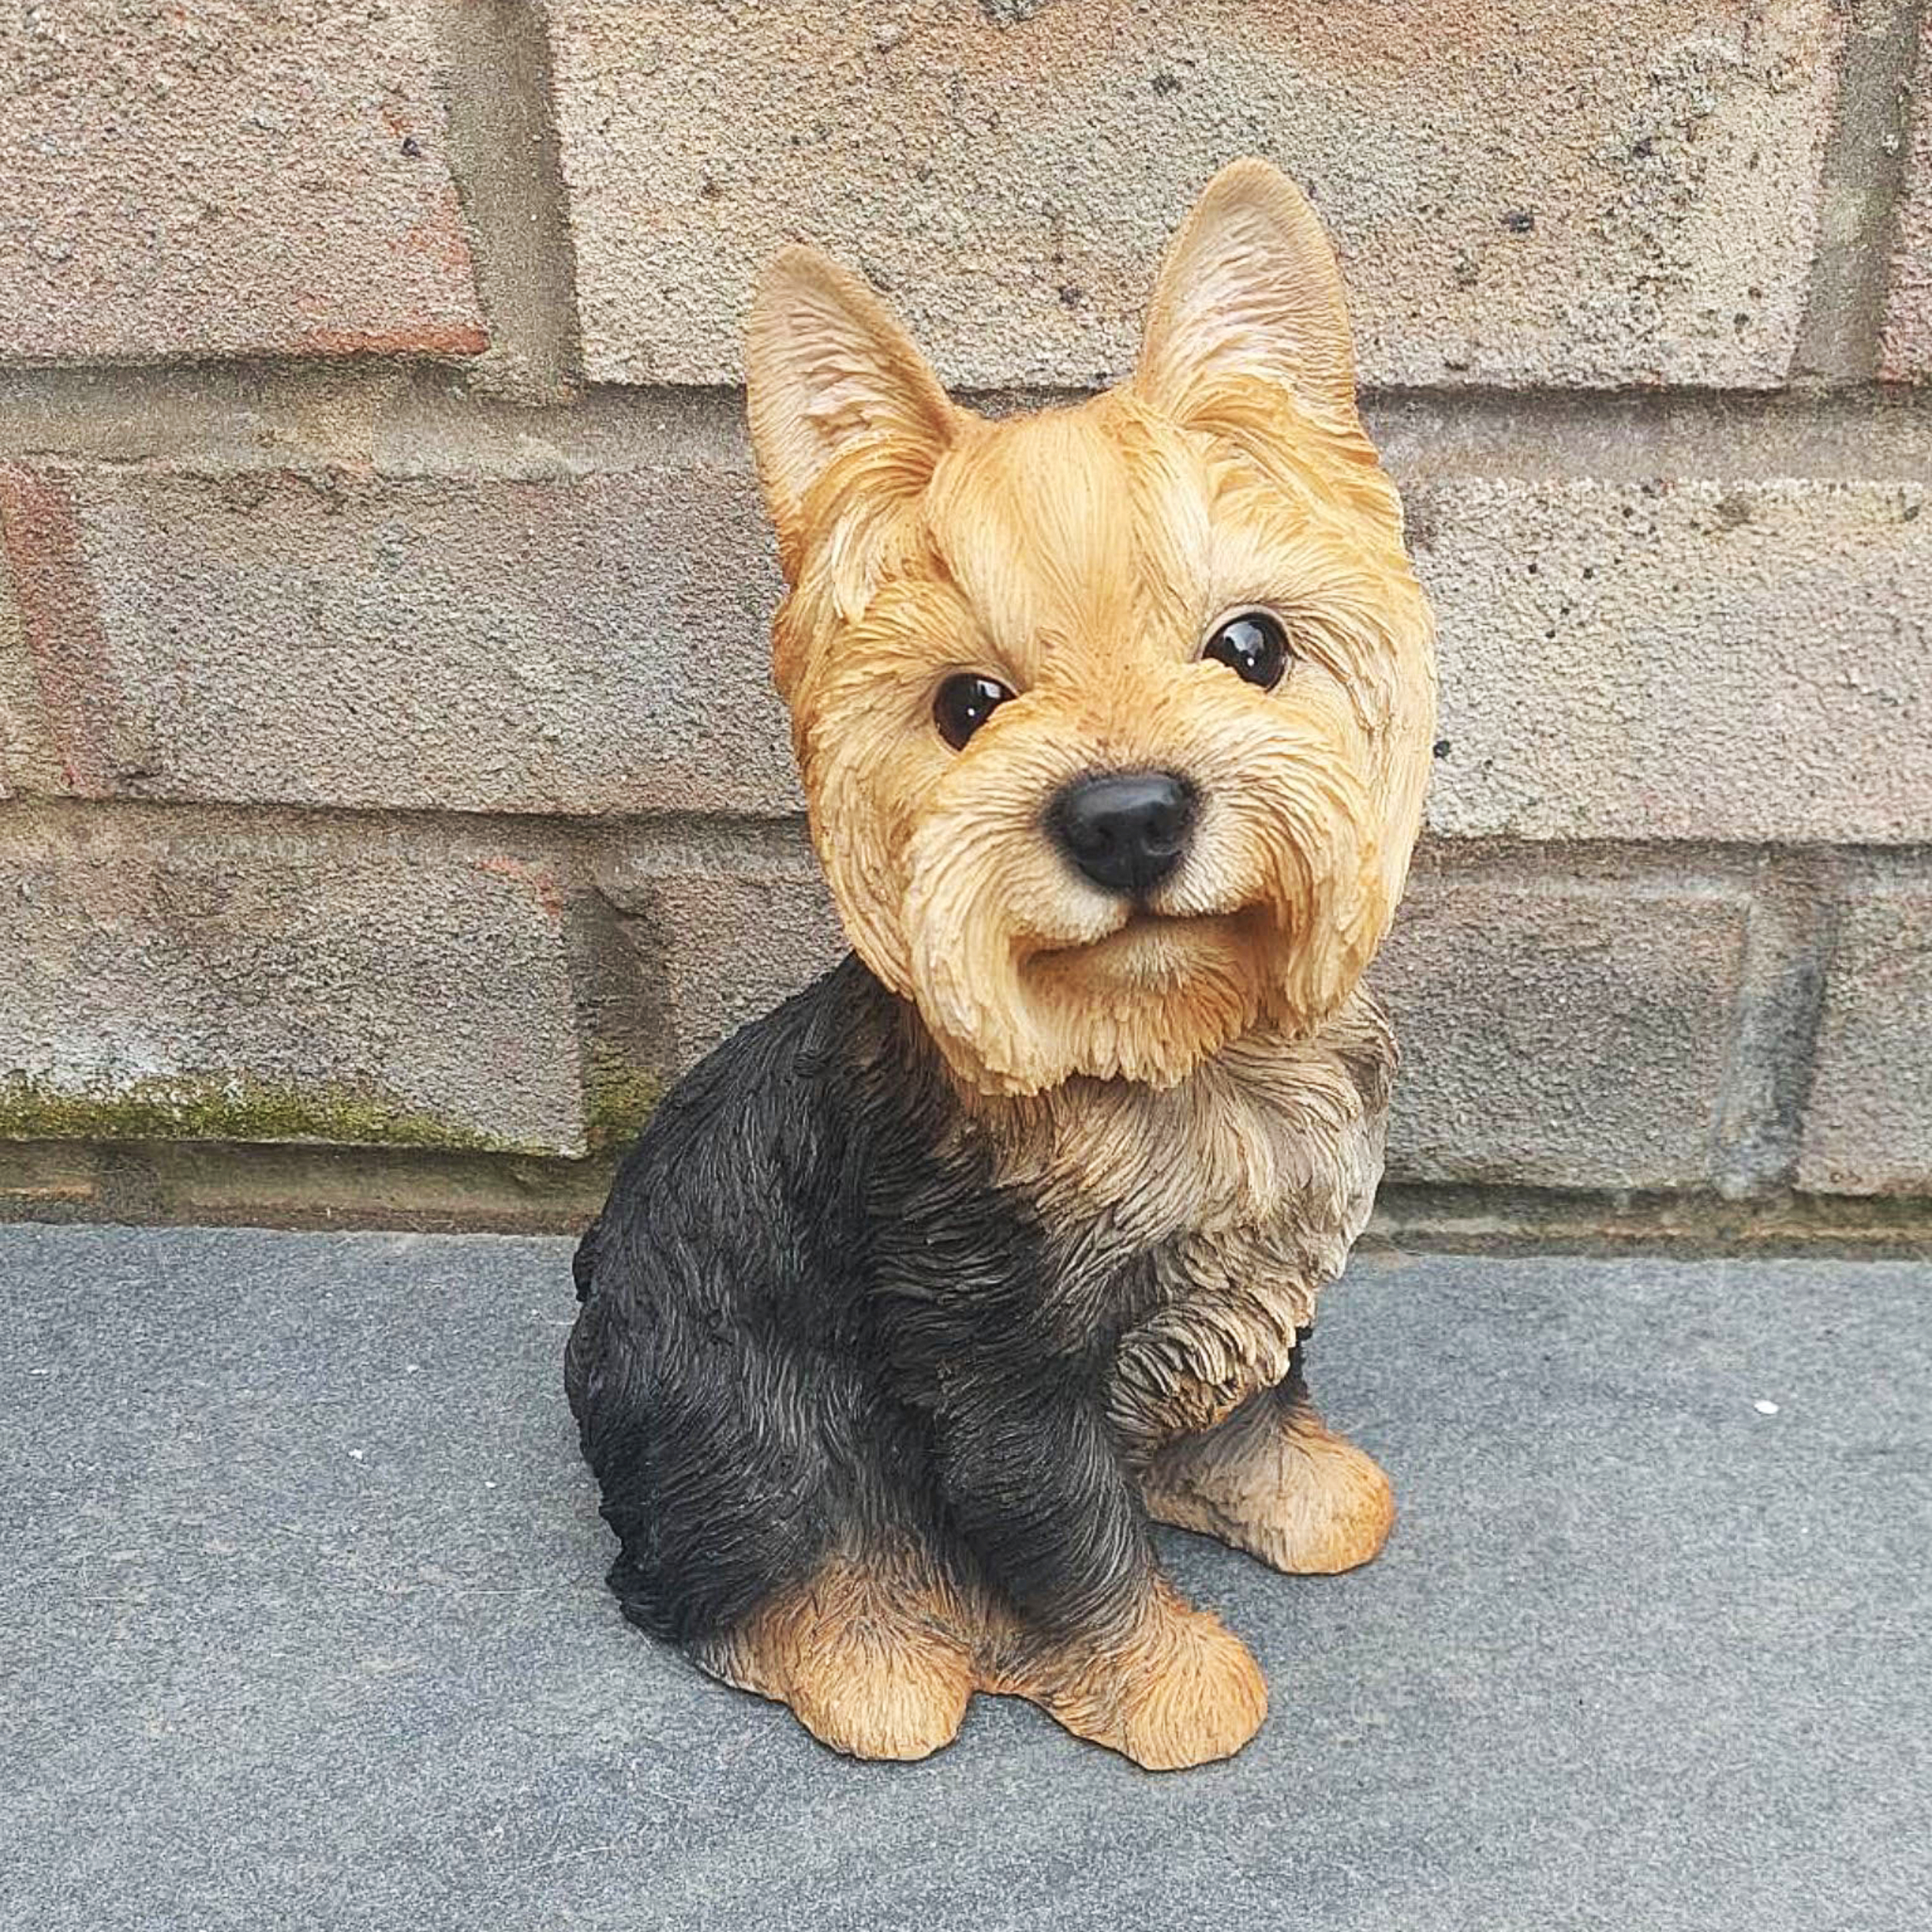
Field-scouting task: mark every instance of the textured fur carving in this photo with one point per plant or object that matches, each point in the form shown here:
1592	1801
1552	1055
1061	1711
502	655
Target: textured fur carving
917	1297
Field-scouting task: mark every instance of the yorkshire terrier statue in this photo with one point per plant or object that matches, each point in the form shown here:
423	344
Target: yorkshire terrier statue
923	1295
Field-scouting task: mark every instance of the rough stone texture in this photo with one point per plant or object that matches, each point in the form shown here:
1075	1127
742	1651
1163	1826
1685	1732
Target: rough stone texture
1868	1125
503	147
211	179
49	1181
248	605
1532	192
736	932
305	1614
590	646
1560	1032
276	984
71	739
26	761
1905	352
599	645
1706	660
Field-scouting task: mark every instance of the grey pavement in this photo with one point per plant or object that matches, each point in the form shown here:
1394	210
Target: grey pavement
302	1623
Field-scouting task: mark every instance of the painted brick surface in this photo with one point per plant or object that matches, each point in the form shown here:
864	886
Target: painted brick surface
1690	660
1523	190
1905	352
737	933
594	646
1867	1126
208	178
1558	1032
264	986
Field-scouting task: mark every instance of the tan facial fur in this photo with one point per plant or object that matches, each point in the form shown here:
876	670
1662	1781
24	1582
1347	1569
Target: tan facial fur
1081	557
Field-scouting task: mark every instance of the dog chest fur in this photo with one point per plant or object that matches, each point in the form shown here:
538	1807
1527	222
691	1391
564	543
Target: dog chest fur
1241	1189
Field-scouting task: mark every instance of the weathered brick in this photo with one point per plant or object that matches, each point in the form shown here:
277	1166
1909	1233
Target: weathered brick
202	179
1905	348
1560	1031
280	985
1685	661
591	646
1699	661
1523	190
37	1183
1868	1124
736	933
599	645
27	763
67	739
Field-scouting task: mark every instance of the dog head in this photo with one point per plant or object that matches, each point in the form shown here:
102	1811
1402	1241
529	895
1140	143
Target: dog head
1114	720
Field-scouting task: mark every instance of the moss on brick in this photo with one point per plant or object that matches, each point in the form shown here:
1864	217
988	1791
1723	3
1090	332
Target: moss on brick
618	1101
189	1106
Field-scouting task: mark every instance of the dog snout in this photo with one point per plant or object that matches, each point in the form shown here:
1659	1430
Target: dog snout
1125	831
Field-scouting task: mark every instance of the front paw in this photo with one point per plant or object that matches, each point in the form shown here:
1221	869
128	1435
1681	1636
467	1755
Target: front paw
1161	1388
1178	1688
1280	1486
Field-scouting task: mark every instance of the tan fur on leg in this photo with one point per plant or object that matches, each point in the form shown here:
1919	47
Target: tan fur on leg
880	1660
875	1657
1176	1688
1273	1480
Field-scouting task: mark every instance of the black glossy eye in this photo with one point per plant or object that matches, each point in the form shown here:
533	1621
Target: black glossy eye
1254	646
964	702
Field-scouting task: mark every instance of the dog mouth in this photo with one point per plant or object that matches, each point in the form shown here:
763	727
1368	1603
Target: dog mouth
1149	943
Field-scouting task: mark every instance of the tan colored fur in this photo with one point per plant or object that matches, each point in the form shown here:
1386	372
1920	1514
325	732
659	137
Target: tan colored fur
1278	1485
1080	556
1177	1688
1248	1180
1192	1081
879	1658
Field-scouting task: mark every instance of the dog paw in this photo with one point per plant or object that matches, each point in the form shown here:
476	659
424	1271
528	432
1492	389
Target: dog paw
1333	1514
873	1658
1183	1690
1301	1499
870	1703
1205	1700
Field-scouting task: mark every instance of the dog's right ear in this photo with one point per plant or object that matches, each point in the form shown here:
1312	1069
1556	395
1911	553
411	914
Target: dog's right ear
1250	293
827	369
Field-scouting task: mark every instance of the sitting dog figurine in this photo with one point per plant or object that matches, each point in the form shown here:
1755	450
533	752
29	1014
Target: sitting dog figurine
922	1295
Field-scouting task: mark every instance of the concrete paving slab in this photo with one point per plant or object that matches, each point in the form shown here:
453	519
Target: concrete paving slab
302	1624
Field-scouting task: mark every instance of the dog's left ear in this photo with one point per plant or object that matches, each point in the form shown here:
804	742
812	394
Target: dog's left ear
1249	289
827	368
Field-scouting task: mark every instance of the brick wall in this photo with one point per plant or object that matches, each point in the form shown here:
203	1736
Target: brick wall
391	794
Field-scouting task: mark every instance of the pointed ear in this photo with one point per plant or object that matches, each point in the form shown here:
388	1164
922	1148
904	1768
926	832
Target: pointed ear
827	367
1249	289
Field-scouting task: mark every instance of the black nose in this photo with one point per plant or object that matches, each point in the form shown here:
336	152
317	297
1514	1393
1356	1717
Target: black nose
1127	831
